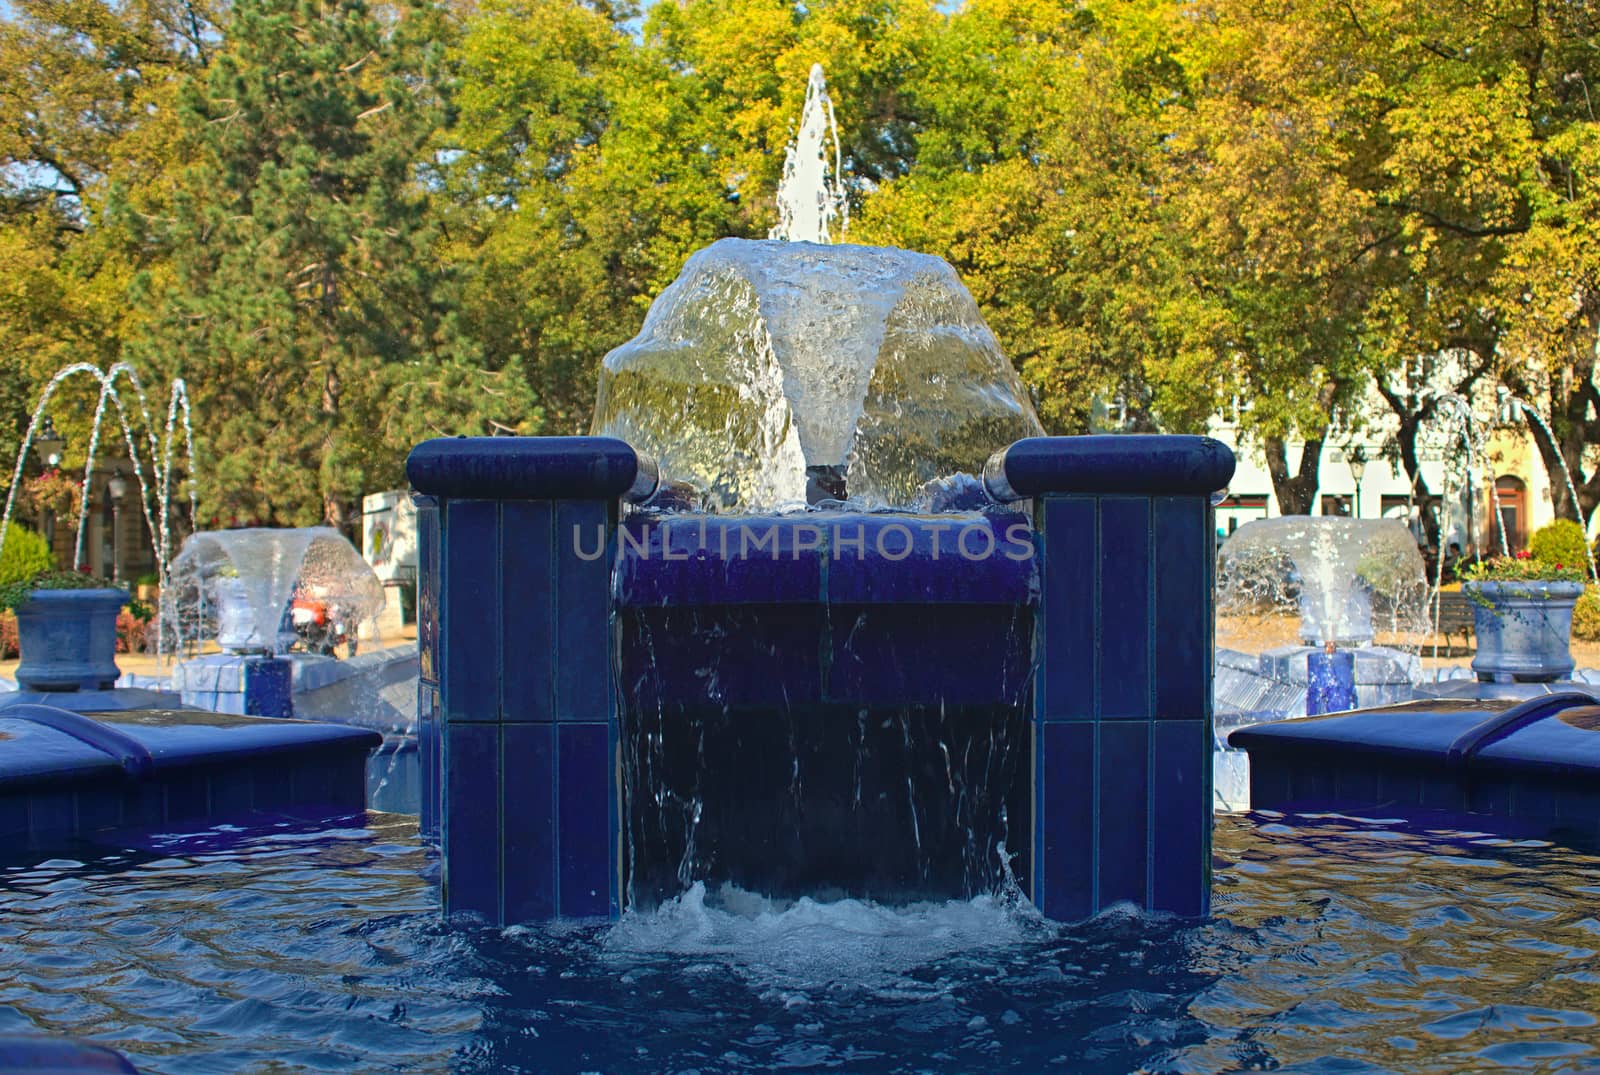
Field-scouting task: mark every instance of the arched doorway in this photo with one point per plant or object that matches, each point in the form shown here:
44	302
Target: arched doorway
1512	494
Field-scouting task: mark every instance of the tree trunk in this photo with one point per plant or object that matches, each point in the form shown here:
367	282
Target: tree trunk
1295	494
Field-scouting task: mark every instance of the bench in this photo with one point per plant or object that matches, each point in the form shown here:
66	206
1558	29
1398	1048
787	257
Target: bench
1455	615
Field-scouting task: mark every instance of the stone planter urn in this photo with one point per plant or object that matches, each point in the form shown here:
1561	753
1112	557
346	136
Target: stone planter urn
1523	629
68	639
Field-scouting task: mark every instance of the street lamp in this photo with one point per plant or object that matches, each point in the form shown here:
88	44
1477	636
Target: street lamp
50	443
1357	458
116	488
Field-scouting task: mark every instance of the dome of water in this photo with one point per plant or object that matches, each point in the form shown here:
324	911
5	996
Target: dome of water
764	358
235	585
1349	580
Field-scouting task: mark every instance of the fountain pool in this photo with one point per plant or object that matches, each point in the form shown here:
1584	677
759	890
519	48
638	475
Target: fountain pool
1338	945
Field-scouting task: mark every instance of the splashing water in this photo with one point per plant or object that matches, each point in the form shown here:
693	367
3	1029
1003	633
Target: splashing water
811	195
765	358
235	585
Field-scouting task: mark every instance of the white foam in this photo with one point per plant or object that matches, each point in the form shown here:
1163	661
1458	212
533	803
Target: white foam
808	944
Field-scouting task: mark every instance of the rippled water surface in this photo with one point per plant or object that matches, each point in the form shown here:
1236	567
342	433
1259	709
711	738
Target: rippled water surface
1336	946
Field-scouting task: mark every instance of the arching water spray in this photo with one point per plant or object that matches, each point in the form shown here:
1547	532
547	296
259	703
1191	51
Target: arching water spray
151	500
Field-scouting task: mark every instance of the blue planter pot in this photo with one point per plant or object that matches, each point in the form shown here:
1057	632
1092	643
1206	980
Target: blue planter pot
1523	630
68	639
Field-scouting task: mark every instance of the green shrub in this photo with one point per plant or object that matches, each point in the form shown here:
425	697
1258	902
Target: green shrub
25	555
1586	617
1560	542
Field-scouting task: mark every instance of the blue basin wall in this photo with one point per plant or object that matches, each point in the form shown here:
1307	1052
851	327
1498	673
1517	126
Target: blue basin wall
1531	766
548	637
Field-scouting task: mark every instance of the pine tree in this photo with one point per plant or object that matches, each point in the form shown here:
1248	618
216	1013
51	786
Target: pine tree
308	310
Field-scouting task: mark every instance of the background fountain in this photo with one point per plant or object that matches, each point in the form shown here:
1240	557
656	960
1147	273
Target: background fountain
155	484
236	587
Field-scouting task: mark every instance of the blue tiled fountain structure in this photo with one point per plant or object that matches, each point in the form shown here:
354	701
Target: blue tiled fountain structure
619	700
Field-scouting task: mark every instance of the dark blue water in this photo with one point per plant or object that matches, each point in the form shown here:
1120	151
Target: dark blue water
1336	946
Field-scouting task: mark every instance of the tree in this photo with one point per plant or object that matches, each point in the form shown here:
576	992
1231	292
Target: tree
308	309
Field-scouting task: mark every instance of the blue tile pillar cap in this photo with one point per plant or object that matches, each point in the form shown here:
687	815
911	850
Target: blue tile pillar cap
1129	463
532	468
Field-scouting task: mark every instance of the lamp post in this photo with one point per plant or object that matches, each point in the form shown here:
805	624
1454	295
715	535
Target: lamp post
116	489
50	445
1357	458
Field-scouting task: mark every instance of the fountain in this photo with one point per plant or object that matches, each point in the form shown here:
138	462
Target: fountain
154	502
1349	581
237	587
817	610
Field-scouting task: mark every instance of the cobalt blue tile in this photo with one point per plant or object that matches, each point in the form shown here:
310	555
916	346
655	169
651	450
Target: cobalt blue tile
320	781
738	655
527	633
697	559
1123	787
1491	798
585	835
270	785
430	733
1124	606
189	794
99	808
472	819
582	615
427	587
1063	837
1532	800
233	798
1066	685
910	654
1183	608
923	559
1181	804
469	620
529	817
13	819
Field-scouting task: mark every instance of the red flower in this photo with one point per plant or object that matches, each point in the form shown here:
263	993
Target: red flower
1524	555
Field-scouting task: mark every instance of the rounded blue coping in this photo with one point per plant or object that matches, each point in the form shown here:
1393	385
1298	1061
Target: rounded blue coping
600	468
826	557
1553	734
1132	463
57	1056
529	468
45	745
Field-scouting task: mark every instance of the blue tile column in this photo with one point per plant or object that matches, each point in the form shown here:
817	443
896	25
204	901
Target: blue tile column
519	711
1123	650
